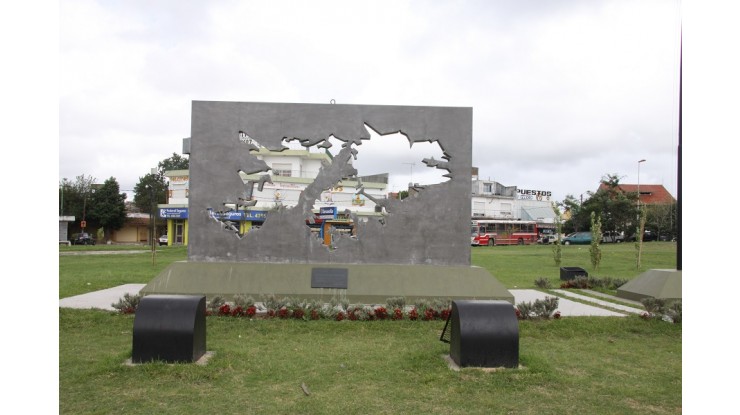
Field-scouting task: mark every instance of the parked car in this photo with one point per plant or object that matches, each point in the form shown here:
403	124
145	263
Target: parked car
83	239
547	239
647	236
612	237
578	238
163	240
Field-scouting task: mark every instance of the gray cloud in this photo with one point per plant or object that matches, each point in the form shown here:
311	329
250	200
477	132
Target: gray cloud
563	92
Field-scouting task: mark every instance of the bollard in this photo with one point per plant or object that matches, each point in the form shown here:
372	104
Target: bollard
169	328
570	273
483	334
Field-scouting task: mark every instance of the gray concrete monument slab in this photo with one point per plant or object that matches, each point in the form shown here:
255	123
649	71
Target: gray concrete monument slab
655	283
430	229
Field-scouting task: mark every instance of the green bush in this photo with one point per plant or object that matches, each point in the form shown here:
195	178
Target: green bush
542	282
661	309
540	309
128	304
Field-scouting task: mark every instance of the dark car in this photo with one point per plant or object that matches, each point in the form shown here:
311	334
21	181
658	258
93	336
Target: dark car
578	238
647	236
83	239
612	237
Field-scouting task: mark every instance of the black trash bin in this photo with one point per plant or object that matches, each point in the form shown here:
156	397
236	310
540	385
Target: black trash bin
570	273
483	333
170	328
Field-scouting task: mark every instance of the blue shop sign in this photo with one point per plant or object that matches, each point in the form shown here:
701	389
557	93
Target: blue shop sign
242	215
328	212
228	215
173	213
255	215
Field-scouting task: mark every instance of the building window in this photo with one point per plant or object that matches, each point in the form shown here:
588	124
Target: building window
479	209
282	169
487	187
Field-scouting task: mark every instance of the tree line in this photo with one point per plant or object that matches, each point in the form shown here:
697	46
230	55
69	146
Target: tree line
103	206
618	212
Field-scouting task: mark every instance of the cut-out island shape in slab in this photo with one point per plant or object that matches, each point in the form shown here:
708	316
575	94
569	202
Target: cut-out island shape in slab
418	247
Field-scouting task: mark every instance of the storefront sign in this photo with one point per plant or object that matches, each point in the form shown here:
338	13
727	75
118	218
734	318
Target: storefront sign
173	213
328	212
255	215
526	194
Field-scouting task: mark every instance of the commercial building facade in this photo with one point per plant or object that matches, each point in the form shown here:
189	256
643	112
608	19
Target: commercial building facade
292	171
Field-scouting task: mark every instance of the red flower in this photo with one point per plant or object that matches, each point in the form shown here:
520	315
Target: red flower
352	315
251	311
381	313
413	314
445	313
518	313
397	314
271	313
224	310
340	316
557	314
429	314
315	315
283	313
237	311
298	313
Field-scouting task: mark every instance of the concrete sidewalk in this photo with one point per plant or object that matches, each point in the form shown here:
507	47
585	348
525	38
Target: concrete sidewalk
566	305
100	299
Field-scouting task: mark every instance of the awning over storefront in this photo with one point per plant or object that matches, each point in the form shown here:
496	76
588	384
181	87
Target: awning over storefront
539	214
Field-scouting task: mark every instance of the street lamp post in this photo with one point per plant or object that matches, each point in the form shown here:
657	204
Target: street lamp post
640	228
411	177
83	223
152	231
638	183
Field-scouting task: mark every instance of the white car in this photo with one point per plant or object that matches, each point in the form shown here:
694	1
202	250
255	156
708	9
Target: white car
163	240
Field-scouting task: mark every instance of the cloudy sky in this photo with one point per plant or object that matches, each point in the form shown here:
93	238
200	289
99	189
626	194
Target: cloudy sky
563	92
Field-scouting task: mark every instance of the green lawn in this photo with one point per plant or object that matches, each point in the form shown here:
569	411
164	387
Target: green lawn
588	365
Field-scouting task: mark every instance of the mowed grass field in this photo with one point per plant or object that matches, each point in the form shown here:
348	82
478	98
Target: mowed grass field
593	365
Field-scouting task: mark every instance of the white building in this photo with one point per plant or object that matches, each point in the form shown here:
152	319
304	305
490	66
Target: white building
492	200
291	172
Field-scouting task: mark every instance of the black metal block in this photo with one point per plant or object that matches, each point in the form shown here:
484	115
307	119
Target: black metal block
570	273
329	278
170	328
484	334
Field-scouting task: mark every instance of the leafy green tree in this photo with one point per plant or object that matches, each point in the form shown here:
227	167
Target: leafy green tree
176	162
152	188
572	206
638	235
616	208
74	196
557	248
662	219
149	191
107	207
596	235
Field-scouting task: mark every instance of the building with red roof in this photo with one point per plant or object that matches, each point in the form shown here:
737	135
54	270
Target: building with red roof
650	194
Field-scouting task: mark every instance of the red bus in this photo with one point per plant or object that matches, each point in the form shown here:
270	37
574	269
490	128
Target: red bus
503	232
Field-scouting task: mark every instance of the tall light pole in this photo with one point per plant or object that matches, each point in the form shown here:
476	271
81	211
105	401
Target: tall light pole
152	230
638	183
411	171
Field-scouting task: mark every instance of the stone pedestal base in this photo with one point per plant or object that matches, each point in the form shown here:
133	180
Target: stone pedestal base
656	283
367	284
